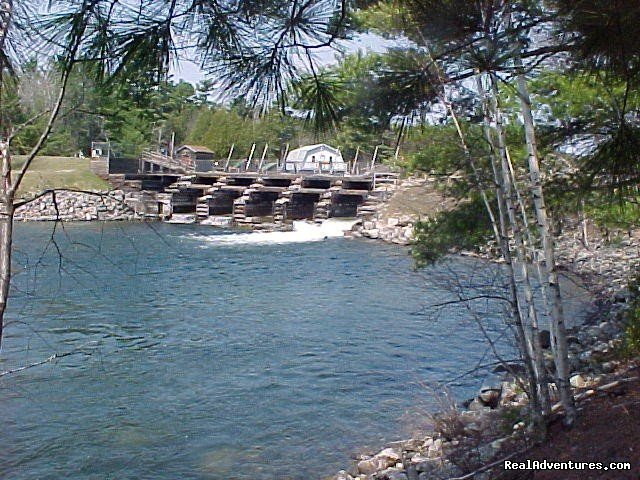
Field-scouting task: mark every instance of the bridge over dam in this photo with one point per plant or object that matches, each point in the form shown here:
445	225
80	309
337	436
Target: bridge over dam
269	200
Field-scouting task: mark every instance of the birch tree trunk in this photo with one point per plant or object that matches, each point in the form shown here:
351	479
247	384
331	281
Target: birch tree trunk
517	312
520	229
6	197
6	231
6	12
558	327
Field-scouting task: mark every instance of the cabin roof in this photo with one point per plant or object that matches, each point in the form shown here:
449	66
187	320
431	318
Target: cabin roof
308	148
195	149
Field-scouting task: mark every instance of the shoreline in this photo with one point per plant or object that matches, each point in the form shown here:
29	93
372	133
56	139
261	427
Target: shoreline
470	436
77	206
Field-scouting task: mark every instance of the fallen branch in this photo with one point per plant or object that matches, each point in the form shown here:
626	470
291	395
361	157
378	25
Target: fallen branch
50	359
591	392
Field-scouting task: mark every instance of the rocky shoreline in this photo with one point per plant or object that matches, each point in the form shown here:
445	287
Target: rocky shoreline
74	206
470	436
488	427
392	219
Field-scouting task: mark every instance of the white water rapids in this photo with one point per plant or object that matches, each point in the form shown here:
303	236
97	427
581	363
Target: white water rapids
303	232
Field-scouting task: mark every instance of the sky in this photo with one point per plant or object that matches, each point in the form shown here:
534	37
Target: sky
191	72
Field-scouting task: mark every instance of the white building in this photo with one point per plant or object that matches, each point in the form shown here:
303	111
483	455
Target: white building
319	158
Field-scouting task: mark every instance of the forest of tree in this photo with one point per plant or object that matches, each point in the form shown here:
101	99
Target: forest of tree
137	113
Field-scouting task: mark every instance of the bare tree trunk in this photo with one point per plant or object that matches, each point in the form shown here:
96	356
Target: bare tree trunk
558	327
6	199
10	185
584	221
517	315
6	231
520	228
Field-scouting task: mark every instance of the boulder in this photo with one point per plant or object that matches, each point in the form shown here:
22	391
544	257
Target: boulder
477	406
412	473
381	461
342	475
419	459
427	467
435	450
392	474
578	381
510	367
405	220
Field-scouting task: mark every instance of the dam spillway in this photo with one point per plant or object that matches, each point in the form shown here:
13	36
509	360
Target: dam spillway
253	200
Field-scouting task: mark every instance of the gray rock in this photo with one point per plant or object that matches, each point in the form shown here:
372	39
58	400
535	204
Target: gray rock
477	406
516	368
381	461
427	467
342	475
608	367
392	475
412	473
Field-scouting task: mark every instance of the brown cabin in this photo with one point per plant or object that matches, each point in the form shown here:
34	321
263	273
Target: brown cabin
195	157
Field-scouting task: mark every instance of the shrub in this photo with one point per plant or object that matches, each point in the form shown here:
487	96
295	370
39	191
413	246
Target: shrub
465	228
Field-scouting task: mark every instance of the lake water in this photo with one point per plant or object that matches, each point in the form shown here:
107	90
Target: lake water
206	356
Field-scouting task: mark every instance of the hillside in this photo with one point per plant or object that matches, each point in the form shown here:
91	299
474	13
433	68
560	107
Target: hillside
57	172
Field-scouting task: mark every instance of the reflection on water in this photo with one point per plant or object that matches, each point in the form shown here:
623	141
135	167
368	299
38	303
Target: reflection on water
207	357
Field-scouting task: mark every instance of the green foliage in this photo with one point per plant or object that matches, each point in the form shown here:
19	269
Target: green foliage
319	96
575	101
466	227
605	35
219	127
610	213
129	113
383	17
437	148
509	416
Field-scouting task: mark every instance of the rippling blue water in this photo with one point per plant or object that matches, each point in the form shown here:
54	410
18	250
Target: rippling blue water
203	361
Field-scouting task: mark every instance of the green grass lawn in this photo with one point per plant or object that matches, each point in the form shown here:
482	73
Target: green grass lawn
57	172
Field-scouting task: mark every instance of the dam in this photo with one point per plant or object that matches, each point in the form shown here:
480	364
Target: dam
312	183
254	200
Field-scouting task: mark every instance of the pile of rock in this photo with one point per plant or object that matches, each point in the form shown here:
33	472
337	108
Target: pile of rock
607	263
414	459
71	206
391	212
392	230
